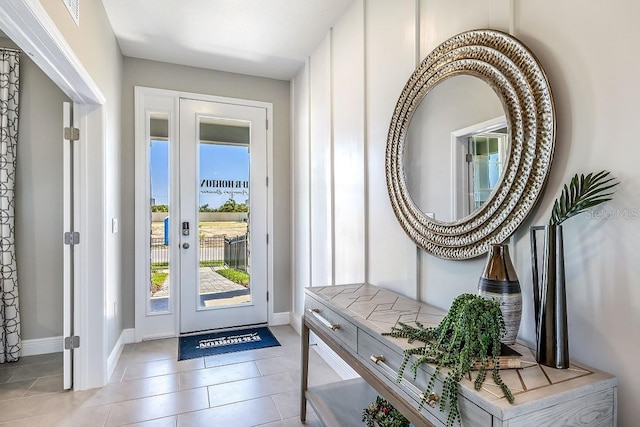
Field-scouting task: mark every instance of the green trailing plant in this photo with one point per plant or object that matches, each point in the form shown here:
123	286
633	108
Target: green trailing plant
384	414
582	193
467	338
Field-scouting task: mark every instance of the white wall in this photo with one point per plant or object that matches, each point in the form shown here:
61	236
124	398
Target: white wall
587	50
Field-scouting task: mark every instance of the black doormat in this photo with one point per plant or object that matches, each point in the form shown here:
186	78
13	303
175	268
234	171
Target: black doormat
208	344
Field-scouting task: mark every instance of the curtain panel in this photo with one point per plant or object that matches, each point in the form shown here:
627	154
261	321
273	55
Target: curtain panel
10	344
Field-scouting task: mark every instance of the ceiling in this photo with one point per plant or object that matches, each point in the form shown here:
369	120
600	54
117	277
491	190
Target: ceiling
267	38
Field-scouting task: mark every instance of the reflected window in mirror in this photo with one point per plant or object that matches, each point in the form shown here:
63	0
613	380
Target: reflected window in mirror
486	157
480	155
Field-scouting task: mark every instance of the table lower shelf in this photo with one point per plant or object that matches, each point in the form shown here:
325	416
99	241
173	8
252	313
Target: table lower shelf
341	404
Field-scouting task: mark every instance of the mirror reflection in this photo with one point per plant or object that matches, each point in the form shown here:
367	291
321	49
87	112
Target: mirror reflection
456	148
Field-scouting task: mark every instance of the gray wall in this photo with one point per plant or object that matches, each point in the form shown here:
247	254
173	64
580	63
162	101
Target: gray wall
138	72
96	48
38	203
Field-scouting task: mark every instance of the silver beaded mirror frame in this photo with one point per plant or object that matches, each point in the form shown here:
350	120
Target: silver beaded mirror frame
518	79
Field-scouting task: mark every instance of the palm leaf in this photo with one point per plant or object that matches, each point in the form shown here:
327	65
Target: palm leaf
583	192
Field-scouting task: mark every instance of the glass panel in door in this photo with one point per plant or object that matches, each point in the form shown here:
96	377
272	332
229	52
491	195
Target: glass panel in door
223	217
223	203
159	172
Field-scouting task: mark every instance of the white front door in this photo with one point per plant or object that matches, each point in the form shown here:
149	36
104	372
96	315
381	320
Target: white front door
222	224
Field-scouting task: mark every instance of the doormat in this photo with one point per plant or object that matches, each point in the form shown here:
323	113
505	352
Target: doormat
193	346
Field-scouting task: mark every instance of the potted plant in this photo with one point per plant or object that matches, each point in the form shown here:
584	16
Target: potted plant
467	338
382	414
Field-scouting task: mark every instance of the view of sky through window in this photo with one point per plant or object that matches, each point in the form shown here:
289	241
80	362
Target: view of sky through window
223	174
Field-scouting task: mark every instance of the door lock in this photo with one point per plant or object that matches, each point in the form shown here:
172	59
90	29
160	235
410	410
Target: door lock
185	228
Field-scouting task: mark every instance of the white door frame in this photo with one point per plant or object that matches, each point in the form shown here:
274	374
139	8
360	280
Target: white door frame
27	23
160	100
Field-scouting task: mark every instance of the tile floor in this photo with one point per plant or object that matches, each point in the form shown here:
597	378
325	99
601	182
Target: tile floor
150	388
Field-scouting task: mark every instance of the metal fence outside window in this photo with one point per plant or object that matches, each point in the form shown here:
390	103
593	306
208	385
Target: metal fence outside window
235	253
232	252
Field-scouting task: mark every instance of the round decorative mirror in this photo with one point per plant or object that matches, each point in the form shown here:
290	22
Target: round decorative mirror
470	144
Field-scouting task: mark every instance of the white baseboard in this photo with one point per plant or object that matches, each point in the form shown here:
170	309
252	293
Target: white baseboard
295	320
126	337
42	346
129	336
279	319
337	364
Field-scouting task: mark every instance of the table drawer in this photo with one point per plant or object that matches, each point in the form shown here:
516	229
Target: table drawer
386	362
324	317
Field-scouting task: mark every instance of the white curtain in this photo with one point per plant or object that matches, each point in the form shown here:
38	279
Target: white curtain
10	344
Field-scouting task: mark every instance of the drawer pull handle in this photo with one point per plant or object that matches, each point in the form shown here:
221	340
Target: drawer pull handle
380	361
376	359
432	399
325	322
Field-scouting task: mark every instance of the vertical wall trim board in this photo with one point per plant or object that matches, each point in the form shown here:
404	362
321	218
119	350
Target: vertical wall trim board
292	176
417	32
365	111
332	184
417	39
512	17
308	73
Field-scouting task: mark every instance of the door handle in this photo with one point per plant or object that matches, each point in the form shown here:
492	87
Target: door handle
185	245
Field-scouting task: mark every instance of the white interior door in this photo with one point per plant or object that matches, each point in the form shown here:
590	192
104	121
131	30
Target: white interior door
223	254
71	165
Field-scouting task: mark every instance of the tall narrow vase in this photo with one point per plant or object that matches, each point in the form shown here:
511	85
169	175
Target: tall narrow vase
499	281
550	300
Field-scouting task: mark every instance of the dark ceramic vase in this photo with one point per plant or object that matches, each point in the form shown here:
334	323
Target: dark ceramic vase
499	281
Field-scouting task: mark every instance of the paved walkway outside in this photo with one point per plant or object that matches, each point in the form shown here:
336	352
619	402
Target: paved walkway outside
210	282
213	286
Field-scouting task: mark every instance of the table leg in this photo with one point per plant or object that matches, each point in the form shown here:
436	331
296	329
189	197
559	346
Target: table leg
305	371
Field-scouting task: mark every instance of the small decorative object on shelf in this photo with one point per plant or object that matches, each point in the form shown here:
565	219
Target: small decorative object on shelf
549	291
382	414
499	281
467	338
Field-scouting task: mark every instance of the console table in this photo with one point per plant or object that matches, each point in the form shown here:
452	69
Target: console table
350	319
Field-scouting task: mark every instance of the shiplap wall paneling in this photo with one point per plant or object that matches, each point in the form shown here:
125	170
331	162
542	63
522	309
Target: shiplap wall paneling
321	165
348	146
390	41
300	167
